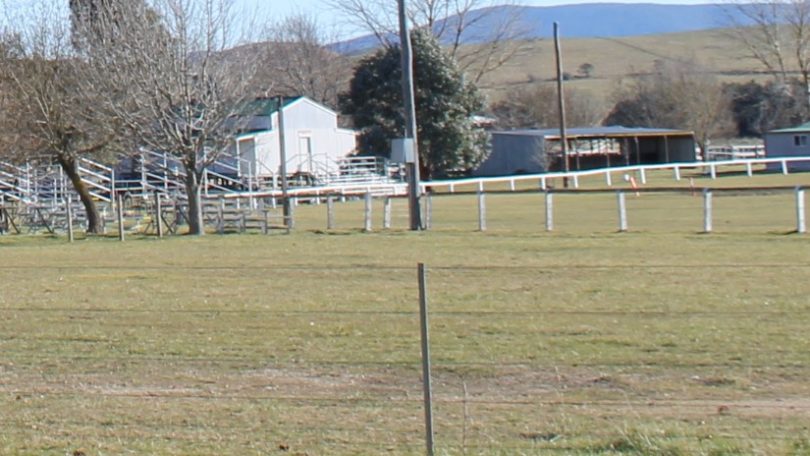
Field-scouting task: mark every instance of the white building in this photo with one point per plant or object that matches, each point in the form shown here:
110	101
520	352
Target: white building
313	141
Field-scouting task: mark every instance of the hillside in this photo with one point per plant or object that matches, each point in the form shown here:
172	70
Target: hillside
615	58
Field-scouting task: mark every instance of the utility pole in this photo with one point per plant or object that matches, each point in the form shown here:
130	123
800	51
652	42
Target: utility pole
414	192
282	144
561	101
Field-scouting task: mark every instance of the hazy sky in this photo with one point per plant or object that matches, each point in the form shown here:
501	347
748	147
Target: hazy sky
326	16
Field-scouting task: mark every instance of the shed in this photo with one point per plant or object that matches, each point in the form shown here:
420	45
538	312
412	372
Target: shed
313	141
539	151
789	142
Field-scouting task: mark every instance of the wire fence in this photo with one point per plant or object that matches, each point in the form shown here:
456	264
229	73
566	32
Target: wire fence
560	357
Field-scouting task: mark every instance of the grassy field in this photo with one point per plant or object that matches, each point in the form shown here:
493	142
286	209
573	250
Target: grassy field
580	341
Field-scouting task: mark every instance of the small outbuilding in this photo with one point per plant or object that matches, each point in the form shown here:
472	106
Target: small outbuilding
789	142
314	143
540	151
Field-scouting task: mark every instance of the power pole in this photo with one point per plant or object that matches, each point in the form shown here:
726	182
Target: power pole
282	144
561	101
412	167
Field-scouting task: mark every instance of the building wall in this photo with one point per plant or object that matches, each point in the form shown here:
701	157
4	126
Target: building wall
514	154
784	145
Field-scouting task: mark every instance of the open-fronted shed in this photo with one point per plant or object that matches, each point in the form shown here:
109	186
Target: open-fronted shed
538	151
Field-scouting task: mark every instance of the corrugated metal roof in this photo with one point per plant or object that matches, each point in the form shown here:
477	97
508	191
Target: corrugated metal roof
803	128
597	132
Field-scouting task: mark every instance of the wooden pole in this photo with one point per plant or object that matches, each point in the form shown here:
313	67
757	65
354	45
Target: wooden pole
221	215
426	385
282	144
409	108
561	101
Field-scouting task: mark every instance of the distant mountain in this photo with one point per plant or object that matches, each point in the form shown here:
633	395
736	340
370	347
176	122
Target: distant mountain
589	20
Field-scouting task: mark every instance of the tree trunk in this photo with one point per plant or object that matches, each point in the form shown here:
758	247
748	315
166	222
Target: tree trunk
195	210
71	168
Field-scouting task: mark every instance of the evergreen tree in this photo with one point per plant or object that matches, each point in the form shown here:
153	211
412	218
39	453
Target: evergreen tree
447	138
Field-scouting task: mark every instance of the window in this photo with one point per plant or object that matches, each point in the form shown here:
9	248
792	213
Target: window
800	140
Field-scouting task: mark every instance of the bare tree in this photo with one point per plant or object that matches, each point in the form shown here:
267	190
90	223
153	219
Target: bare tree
682	95
302	63
51	115
537	107
169	81
776	33
492	27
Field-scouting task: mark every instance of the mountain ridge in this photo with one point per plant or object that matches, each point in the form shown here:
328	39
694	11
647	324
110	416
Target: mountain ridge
587	20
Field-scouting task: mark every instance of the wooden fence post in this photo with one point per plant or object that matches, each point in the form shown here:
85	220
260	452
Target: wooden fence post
120	218
428	210
643	174
482	211
801	225
713	171
330	212
677	170
707	210
158	215
622	211
749	169
425	333
387	213
608	178
784	167
221	215
549	211
369	204
69	215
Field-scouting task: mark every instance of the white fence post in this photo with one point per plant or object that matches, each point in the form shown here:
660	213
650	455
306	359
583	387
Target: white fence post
69	215
608	179
707	210
801	225
749	169
784	167
575	179
677	170
549	211
543	183
369	202
713	171
643	174
428	210
622	211
482	211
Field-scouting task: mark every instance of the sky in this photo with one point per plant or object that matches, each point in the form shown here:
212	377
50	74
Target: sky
326	16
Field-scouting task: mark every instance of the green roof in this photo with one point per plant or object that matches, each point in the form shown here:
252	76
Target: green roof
803	128
266	106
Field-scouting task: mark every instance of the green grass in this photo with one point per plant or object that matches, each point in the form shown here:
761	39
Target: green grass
580	341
